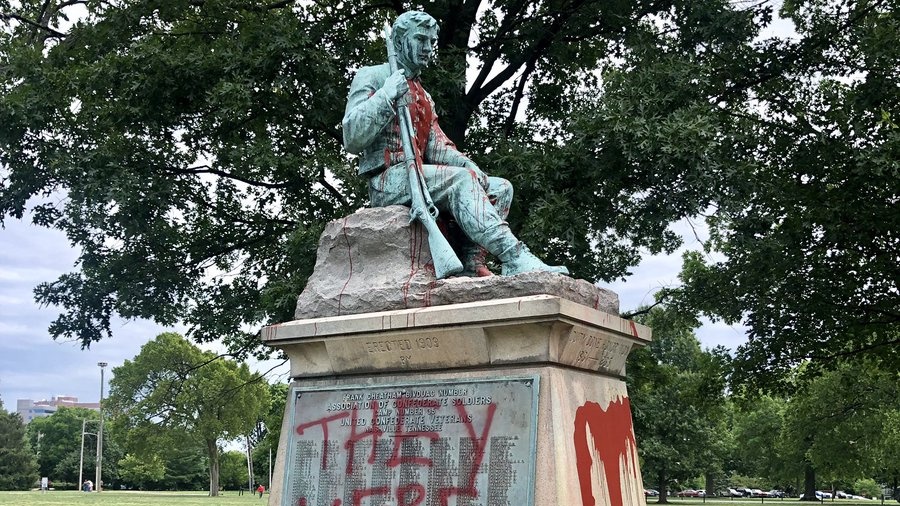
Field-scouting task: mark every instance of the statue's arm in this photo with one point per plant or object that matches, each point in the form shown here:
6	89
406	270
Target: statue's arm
369	109
442	151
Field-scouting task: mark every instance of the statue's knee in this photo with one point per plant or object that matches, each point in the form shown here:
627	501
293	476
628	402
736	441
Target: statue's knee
500	192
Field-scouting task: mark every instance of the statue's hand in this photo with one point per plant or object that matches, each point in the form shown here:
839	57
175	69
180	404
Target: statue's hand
396	86
480	176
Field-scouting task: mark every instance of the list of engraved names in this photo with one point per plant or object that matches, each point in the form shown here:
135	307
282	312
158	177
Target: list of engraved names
424	444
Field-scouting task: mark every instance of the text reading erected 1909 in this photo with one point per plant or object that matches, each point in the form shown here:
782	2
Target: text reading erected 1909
449	444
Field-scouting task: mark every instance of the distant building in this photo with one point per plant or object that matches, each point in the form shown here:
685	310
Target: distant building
30	409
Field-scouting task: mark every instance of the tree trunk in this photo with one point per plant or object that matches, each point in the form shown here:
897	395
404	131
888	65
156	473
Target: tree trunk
213	451
710	484
456	18
809	483
663	487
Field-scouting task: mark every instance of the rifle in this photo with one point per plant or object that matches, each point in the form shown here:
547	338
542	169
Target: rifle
422	208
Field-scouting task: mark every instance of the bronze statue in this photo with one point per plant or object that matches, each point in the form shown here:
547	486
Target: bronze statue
387	109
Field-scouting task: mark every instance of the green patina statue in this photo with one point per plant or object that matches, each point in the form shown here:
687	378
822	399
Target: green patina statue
391	124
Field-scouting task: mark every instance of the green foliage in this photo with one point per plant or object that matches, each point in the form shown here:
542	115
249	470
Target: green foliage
269	432
807	226
18	469
172	387
756	427
837	422
677	396
867	487
141	472
233	473
195	138
58	439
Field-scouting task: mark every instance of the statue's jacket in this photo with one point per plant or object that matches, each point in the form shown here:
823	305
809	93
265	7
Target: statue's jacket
372	130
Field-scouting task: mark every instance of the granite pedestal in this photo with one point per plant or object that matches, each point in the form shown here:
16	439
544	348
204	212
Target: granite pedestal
518	402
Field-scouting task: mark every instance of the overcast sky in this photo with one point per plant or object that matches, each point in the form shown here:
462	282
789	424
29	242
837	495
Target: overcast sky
34	366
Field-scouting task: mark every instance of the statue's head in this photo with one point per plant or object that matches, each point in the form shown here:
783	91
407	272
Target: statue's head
414	35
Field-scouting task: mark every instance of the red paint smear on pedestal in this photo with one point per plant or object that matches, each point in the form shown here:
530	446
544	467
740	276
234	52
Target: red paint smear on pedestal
350	261
612	436
634	331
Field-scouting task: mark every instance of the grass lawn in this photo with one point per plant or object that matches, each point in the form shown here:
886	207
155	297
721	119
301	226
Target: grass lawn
128	498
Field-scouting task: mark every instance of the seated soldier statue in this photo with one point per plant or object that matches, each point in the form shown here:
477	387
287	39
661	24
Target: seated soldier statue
477	202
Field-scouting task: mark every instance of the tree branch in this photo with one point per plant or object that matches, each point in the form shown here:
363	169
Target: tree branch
50	31
207	169
517	98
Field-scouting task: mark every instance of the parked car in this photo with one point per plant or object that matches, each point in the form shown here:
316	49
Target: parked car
688	493
731	492
701	492
776	493
649	492
755	492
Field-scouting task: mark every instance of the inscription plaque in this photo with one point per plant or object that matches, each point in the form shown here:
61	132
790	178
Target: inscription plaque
450	443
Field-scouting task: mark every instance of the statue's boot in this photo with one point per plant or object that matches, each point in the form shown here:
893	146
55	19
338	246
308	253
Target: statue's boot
484	225
473	258
519	259
516	258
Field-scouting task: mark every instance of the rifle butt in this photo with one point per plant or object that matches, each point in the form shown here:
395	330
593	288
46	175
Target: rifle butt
445	260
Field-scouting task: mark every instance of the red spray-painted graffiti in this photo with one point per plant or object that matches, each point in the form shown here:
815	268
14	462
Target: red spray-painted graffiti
612	436
362	427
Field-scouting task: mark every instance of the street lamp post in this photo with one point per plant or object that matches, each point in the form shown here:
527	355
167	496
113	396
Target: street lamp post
81	461
99	483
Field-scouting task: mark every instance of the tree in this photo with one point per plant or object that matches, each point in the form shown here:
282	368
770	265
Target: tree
677	396
18	469
143	471
174	386
838	426
268	432
234	470
757	425
197	137
807	240
58	437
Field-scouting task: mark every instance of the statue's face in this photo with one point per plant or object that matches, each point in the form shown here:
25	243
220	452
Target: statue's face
418	47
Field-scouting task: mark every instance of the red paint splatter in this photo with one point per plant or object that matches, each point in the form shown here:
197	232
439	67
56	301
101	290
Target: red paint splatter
613	437
401	434
375	433
634	331
404	491
359	495
416	239
480	443
324	423
350	261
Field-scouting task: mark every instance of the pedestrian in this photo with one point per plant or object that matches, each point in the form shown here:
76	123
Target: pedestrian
260	489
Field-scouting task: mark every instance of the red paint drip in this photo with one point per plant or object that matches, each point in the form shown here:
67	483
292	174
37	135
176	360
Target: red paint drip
323	422
404	491
416	238
359	495
613	437
634	331
350	260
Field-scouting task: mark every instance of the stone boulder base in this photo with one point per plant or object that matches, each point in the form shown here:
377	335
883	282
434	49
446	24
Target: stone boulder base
374	260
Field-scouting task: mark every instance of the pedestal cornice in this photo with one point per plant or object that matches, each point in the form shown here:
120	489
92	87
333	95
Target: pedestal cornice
523	330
